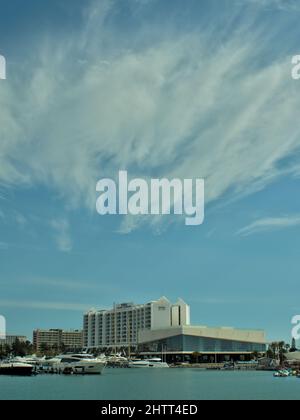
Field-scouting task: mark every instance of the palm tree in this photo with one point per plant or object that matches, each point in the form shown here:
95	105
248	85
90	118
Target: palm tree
255	355
282	351
196	356
277	350
274	350
44	349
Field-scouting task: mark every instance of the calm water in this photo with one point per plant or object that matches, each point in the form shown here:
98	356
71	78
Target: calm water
160	384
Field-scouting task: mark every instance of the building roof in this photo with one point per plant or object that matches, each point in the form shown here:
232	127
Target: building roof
222	333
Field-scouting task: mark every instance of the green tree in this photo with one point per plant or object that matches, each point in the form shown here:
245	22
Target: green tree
196	357
282	351
44	349
255	355
293	347
21	348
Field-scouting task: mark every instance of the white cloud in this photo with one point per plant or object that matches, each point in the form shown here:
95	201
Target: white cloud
187	103
55	306
99	285
62	234
270	224
20	219
284	5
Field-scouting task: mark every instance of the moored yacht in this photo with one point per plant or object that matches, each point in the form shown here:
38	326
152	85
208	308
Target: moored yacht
31	360
84	364
148	363
16	369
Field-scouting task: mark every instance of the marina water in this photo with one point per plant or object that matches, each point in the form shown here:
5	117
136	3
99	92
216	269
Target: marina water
148	384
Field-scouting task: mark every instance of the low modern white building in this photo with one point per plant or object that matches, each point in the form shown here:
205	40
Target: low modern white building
210	344
119	327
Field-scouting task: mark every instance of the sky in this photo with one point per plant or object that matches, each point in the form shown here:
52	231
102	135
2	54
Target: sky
160	89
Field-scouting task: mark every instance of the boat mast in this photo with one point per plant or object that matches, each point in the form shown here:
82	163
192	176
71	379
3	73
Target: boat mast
128	332
115	329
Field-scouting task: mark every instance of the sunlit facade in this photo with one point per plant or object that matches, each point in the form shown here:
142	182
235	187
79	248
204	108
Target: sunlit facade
225	343
118	328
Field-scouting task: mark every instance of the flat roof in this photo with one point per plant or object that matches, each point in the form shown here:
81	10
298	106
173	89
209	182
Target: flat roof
247	336
145	353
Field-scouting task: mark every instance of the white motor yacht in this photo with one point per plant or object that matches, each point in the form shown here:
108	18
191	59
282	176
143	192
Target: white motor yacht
148	363
15	369
84	364
117	358
31	360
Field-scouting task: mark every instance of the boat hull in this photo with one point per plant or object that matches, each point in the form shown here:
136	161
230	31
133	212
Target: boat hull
136	365
148	364
11	370
82	368
161	365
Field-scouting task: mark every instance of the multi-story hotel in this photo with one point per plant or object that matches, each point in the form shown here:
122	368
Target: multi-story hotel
160	327
57	338
119	327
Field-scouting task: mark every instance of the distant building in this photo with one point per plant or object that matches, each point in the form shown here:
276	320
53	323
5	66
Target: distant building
210	345
118	328
11	339
72	339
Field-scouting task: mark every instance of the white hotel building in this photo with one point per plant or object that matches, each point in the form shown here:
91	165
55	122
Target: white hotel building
119	327
160	327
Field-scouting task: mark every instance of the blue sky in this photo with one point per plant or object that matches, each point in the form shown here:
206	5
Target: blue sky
159	89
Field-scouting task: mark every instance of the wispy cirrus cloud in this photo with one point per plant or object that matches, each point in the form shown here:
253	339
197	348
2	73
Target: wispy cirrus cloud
284	5
71	285
190	102
270	224
42	305
20	219
63	239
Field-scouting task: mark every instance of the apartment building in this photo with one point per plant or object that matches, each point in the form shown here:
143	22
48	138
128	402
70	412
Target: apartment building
72	339
12	339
